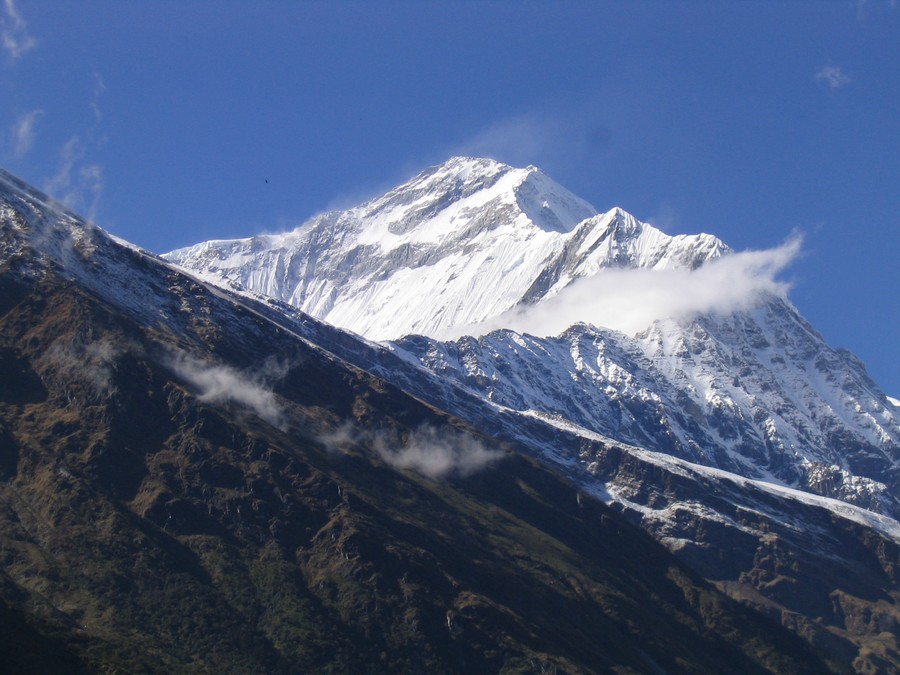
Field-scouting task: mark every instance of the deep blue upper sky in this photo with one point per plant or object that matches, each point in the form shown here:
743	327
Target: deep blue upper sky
163	121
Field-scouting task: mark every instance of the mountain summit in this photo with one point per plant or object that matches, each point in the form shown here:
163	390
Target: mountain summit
458	244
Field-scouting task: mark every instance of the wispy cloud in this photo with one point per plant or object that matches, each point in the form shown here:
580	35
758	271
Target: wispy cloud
517	139
863	7
216	383
436	453
23	133
833	76
665	218
96	94
630	300
77	183
14	36
430	451
341	438
90	364
543	137
69	155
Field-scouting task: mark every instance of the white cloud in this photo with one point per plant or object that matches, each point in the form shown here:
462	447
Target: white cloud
545	137
435	453
90	363
432	452
517	140
23	133
833	76
340	439
71	153
630	300
14	35
665	219
99	88
216	383
863	7
77	184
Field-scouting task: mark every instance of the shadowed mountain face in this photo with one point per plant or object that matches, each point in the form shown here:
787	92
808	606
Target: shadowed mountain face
189	486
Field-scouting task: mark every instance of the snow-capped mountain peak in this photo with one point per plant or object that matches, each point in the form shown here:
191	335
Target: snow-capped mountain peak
442	203
459	243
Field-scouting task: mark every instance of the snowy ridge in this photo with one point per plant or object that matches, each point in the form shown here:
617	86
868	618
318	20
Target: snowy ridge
37	235
32	219
756	393
458	244
612	493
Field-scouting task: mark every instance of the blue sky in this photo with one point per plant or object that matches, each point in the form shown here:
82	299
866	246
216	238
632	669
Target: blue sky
162	121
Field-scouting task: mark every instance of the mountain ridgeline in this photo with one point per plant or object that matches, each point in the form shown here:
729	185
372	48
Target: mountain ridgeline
197	474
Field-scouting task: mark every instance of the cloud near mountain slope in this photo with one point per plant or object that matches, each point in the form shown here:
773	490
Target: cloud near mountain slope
629	300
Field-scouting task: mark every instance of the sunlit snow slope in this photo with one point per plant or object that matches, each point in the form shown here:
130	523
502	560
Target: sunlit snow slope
458	244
